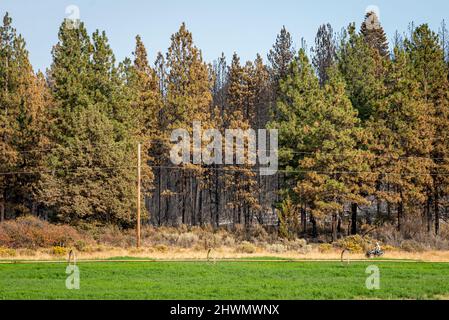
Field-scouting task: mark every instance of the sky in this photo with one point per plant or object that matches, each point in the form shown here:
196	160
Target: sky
247	27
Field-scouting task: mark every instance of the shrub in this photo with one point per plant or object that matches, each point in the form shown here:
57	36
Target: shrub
306	249
387	248
258	232
288	219
412	246
161	248
276	248
239	232
228	240
80	245
246	247
297	244
325	247
59	251
31	232
6	252
27	252
355	244
187	240
113	236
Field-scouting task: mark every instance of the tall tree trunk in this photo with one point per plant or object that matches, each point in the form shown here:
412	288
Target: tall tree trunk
200	204
304	219
184	204
389	210
314	228
334	227
400	214
34	211
193	195
354	208
159	191
378	201
378	208
168	199
437	211
339	223
2	210
429	214
217	200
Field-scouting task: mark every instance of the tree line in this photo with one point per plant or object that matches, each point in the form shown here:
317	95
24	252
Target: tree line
363	130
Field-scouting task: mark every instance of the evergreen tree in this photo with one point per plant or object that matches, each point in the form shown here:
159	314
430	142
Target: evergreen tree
281	55
24	105
188	99
374	34
300	94
429	69
188	90
363	70
402	133
279	58
241	115
92	178
147	112
324	52
8	154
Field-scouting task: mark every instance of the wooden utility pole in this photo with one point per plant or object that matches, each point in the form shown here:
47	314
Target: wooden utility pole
138	195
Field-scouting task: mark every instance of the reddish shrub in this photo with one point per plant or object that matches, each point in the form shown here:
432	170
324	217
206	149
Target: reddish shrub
31	232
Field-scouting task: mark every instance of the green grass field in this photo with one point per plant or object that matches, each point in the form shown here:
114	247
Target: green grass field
225	280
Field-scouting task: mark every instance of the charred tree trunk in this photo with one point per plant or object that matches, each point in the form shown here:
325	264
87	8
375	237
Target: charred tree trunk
334	227
217	200
167	200
314	227
200	204
159	198
429	214
2	210
339	224
193	197
400	214
437	212
304	219
354	208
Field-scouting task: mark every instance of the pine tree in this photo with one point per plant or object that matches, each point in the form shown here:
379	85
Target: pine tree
299	94
363	70
188	91
92	178
374	34
8	154
147	107
241	114
188	99
429	69
403	140
319	143
220	70
324	52
280	56
24	102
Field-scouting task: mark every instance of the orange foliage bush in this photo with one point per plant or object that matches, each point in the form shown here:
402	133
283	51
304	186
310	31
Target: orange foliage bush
31	232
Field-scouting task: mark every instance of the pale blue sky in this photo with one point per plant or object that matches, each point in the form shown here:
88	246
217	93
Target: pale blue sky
244	26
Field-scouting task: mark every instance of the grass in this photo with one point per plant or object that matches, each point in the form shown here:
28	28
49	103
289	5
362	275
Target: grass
225	280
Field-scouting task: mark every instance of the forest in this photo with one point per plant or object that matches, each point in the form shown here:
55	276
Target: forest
363	131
